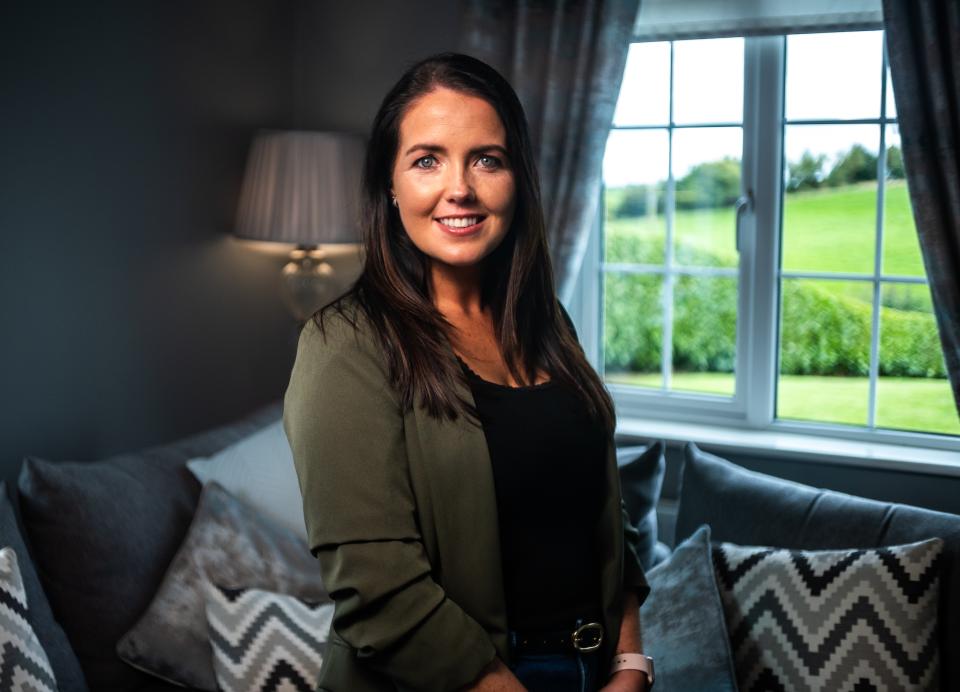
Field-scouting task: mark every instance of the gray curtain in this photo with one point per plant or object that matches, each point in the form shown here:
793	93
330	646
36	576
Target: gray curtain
923	44
566	61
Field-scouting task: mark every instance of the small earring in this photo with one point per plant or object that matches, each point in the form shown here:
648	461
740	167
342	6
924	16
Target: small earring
395	202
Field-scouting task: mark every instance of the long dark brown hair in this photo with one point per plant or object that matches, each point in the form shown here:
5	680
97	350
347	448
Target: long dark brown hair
393	289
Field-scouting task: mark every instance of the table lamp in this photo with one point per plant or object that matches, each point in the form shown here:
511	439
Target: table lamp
302	188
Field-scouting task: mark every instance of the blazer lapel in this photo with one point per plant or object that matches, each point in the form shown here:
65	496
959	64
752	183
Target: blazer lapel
450	462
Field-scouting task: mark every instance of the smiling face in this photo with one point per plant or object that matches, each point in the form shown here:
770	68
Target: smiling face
452	179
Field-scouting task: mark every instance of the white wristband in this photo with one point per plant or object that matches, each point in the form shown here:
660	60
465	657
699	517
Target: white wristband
633	662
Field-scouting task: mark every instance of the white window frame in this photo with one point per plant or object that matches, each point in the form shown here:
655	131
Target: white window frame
751	408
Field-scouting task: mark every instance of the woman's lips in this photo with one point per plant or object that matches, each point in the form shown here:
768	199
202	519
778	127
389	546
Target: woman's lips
456	230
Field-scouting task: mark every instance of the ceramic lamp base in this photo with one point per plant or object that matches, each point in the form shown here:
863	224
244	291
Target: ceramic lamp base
307	282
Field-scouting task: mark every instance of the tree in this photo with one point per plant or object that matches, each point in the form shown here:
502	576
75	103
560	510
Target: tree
807	173
856	166
895	163
638	200
710	184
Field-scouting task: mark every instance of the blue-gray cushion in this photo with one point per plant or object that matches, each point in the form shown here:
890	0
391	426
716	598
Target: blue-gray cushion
66	668
102	534
641	478
682	622
751	508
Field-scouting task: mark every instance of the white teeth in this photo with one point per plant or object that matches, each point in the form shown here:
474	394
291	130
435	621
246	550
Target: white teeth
460	223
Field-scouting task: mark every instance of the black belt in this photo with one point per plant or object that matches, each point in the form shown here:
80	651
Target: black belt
585	638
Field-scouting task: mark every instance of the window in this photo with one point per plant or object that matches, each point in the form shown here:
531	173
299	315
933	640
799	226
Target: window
758	263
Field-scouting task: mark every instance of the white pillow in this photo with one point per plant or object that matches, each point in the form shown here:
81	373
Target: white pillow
259	470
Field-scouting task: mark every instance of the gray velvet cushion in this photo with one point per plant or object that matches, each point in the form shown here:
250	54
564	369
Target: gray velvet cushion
752	508
63	662
229	544
641	478
102	534
682	622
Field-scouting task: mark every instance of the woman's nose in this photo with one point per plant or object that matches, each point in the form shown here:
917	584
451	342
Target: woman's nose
459	185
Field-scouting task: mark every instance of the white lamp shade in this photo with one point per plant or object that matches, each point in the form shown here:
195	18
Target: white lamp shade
302	188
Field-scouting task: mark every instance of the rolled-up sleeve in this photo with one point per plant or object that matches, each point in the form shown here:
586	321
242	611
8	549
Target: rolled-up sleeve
345	428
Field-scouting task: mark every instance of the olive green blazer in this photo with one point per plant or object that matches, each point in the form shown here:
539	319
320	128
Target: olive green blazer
401	513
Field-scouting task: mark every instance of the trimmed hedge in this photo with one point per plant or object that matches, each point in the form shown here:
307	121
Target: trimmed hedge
823	333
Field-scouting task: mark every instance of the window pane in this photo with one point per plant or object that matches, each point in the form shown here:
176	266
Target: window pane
824	351
835	76
708	81
633	329
901	246
704	334
830	200
706	171
645	91
913	392
635	168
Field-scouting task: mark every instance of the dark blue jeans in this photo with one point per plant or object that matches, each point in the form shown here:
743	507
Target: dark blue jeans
566	672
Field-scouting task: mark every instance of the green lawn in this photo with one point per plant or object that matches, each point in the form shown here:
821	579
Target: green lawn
830	230
904	403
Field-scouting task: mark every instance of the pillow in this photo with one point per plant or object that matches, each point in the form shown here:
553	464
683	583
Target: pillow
23	663
259	470
63	662
682	621
832	619
230	544
641	477
738	504
102	534
265	641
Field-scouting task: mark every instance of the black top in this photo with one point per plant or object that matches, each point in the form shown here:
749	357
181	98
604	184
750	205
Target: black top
548	466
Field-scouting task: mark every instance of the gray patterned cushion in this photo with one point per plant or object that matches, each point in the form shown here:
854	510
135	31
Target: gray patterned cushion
228	543
63	661
23	662
265	641
856	620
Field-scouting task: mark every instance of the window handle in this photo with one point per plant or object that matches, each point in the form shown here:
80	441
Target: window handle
743	203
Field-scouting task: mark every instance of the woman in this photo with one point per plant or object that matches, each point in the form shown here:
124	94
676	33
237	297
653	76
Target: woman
454	447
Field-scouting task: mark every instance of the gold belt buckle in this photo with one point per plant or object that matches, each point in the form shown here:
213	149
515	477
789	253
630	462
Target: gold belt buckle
577	633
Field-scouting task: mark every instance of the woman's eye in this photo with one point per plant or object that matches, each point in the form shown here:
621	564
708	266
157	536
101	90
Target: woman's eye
489	161
419	161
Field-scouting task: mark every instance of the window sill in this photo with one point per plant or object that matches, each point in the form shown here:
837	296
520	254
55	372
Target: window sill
788	445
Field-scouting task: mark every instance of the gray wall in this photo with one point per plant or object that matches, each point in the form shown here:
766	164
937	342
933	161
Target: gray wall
130	316
350	53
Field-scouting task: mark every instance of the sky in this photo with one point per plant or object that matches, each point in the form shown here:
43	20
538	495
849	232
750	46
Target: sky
829	76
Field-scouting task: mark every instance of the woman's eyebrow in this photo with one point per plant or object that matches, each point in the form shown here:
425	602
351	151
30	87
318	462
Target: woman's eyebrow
439	148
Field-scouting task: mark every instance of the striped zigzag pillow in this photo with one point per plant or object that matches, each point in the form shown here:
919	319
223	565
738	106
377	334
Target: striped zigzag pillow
264	641
23	663
837	620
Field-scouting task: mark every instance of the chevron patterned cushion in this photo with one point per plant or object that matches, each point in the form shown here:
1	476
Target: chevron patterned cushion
838	620
23	663
264	641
